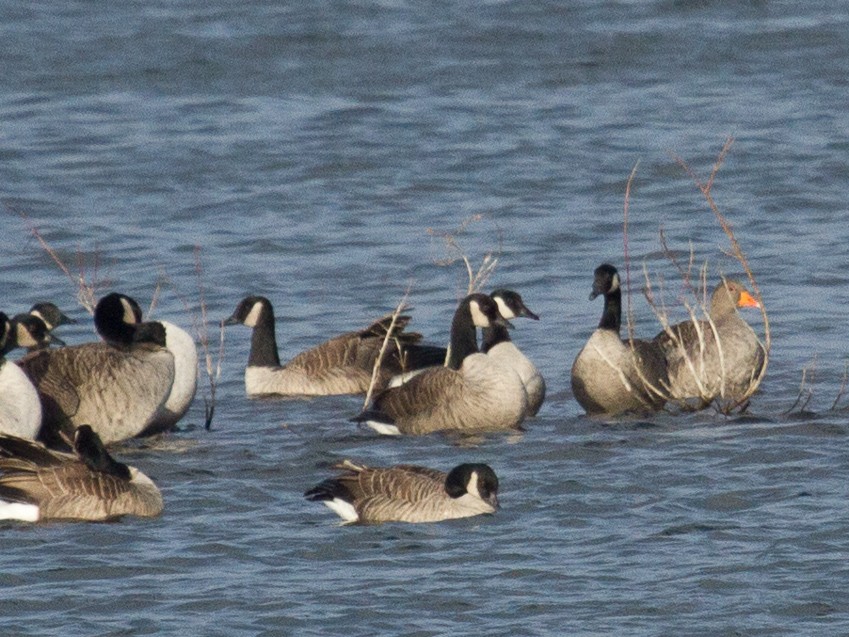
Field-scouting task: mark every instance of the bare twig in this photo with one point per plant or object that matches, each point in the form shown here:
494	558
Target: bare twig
213	371
375	372
476	278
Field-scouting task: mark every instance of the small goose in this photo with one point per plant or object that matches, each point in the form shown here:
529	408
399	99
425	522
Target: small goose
497	344
52	316
183	390
38	484
342	365
612	376
407	493
729	364
118	385
20	407
472	393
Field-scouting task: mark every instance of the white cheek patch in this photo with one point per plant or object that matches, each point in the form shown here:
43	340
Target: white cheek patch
614	283
504	309
472	485
252	319
24	338
478	317
129	316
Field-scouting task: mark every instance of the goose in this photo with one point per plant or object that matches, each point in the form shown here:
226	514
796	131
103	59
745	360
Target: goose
496	343
611	376
38	484
116	386
52	316
726	362
20	407
180	343
472	392
408	493
341	365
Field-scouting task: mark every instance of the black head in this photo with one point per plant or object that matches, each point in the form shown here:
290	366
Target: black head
483	310
91	451
510	305
115	318
29	331
249	311
474	478
605	280
5	327
52	316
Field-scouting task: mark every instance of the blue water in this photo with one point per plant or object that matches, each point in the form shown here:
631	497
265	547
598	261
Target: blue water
317	153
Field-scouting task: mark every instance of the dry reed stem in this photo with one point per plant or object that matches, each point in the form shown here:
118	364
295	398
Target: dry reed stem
842	390
213	371
629	312
86	291
737	253
375	372
476	278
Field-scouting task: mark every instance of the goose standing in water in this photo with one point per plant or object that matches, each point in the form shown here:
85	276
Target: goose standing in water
473	392
341	365
20	407
407	493
496	343
38	484
611	376
117	386
717	358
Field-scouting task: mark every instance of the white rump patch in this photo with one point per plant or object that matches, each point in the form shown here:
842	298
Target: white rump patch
343	509
383	428
252	318
18	511
504	309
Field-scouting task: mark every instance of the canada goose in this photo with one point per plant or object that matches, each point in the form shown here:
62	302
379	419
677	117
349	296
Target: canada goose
342	365
473	392
182	346
612	376
20	407
39	484
407	493
725	362
117	386
496	343
52	316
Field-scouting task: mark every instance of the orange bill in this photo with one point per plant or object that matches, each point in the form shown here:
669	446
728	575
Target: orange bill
747	300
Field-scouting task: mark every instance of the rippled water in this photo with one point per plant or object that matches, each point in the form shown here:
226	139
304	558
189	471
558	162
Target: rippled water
314	153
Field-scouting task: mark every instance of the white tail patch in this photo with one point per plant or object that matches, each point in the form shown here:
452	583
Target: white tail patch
383	428
18	511
343	509
252	318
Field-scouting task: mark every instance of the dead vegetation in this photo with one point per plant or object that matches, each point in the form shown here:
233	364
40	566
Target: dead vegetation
695	300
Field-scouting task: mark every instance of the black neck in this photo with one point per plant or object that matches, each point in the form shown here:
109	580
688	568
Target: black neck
263	341
611	316
463	337
494	335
